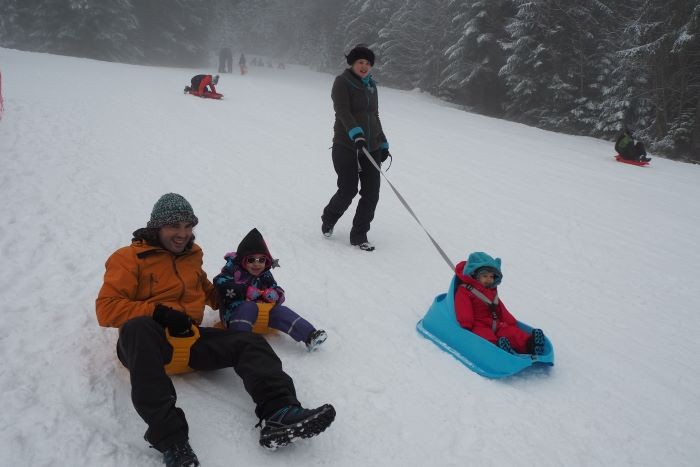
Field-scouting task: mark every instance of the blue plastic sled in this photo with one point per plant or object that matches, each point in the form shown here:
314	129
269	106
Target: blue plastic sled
479	355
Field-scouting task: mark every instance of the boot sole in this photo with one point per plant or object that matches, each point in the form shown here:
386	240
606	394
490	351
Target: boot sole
538	341
308	428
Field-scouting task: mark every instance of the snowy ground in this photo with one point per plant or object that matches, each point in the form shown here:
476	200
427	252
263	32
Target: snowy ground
603	256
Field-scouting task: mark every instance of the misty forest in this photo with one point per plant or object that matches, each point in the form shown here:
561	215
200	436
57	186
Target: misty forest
589	67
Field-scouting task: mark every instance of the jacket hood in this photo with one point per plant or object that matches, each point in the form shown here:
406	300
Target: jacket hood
478	260
465	279
253	244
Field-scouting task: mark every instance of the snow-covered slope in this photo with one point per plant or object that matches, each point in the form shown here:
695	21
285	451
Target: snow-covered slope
603	256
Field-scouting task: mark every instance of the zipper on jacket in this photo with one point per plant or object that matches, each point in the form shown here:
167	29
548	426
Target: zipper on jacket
182	293
369	120
150	284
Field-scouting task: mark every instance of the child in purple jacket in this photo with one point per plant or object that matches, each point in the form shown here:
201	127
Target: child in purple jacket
245	280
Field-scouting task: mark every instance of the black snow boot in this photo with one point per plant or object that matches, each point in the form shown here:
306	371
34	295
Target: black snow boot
292	422
504	344
535	344
326	230
180	455
315	339
366	246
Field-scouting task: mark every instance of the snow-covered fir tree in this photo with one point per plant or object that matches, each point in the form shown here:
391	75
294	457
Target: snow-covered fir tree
86	28
410	45
173	31
624	102
360	21
474	54
670	43
553	60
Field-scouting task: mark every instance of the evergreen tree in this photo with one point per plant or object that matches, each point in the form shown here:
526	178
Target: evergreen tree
409	45
670	42
359	22
109	24
84	28
552	63
624	101
174	32
10	28
319	45
474	54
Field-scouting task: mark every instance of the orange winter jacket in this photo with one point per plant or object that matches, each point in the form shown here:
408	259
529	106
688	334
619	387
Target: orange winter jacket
139	276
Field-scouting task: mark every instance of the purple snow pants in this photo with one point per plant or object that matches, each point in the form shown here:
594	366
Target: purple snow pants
282	318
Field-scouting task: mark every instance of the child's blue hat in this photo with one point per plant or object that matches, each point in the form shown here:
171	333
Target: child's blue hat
478	261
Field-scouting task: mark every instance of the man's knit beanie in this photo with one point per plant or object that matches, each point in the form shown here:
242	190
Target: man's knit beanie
171	208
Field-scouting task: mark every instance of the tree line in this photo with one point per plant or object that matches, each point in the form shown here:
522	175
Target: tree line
587	68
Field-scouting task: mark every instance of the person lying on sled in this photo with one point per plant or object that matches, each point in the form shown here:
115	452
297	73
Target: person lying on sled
629	150
202	84
479	309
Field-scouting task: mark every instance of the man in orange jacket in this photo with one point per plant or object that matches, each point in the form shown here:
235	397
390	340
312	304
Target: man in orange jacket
157	283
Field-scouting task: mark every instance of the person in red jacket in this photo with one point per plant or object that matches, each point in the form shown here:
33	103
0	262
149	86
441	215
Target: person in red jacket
201	84
479	309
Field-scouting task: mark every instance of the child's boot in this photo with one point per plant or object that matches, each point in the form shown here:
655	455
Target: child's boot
315	339
504	344
535	344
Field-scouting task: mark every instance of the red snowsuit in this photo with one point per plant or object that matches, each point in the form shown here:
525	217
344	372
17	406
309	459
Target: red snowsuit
475	315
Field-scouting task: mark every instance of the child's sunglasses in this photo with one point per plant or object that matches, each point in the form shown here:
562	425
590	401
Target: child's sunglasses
253	260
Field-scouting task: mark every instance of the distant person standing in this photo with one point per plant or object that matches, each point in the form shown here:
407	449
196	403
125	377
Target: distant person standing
242	65
356	127
225	60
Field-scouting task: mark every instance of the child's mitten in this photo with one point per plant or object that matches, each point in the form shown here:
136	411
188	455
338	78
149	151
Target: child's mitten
271	295
252	293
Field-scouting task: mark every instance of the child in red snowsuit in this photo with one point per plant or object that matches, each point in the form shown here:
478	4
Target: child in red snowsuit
201	84
479	309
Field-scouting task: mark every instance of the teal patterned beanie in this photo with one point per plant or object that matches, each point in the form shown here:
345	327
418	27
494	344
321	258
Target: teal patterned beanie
171	208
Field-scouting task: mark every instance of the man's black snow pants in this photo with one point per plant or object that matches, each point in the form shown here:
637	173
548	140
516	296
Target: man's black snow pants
144	350
345	162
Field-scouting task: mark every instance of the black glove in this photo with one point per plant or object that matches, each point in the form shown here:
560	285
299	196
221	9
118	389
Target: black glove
177	322
360	143
385	154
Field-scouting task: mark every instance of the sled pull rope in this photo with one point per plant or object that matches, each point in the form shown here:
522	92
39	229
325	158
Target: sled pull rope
408	208
2	106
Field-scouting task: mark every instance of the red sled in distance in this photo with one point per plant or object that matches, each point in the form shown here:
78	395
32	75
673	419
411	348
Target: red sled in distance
207	95
619	158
